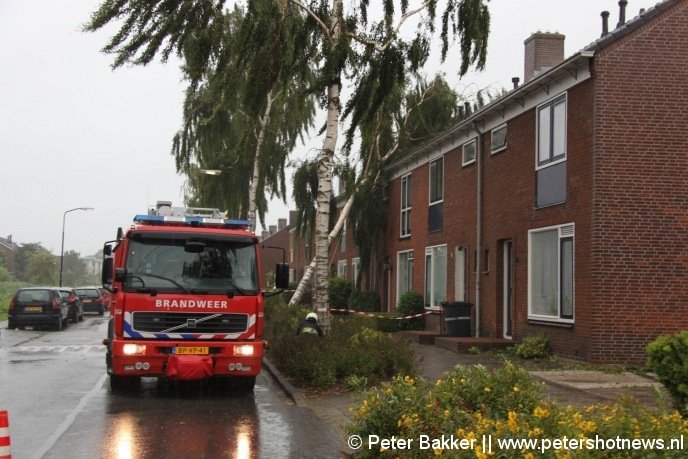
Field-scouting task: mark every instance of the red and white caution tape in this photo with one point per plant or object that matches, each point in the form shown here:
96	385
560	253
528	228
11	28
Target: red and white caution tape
370	314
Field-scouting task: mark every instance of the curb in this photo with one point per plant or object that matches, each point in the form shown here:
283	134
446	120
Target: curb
292	392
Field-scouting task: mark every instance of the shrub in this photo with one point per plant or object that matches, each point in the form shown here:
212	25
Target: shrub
367	300
533	347
474	403
411	303
668	358
351	348
339	291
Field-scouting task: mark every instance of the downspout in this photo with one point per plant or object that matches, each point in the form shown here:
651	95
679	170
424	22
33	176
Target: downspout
478	226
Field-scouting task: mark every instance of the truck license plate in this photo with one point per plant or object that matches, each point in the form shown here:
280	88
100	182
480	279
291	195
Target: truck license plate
191	350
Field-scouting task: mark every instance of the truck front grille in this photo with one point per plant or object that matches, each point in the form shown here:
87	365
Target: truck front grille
189	322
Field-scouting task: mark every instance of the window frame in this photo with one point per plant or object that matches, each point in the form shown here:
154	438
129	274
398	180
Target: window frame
430	277
474	143
550	105
342	238
405	211
439	160
341	266
410	262
355	269
565	234
502	147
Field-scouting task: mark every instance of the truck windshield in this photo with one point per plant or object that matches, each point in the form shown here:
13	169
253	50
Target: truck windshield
191	264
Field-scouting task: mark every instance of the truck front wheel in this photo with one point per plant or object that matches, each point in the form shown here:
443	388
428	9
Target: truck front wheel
123	383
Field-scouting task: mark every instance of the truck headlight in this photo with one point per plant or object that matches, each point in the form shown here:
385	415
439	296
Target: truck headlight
244	349
131	349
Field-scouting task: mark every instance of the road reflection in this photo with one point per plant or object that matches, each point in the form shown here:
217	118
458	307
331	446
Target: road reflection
190	420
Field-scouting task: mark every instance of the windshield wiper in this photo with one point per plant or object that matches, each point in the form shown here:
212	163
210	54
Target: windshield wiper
237	288
155	276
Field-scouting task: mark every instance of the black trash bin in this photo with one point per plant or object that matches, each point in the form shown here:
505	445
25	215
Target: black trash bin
457	318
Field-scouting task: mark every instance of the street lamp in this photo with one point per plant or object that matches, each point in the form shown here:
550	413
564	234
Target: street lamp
211	171
64	216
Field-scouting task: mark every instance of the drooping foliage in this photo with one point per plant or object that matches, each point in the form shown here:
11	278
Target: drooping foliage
249	75
305	191
152	27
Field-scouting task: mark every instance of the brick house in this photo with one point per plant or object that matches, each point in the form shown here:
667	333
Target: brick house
560	207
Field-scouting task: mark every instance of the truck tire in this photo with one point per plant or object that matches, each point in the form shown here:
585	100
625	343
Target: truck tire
244	385
120	383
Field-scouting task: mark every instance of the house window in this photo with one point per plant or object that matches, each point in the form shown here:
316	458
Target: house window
404	273
341	269
435	276
406	205
498	139
435	210
550	273
355	269
468	156
342	238
551	152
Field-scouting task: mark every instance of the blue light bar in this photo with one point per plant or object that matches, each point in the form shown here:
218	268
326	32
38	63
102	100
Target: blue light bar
191	221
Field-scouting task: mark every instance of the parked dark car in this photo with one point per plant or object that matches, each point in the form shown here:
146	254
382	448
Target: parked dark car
92	299
76	306
38	307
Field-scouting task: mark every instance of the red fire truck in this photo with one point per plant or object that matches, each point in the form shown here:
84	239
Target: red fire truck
186	298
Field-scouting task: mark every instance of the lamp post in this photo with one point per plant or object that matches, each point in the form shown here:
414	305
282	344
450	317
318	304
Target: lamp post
64	216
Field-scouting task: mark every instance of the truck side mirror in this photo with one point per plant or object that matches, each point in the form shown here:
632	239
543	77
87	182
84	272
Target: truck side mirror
107	250
282	275
106	276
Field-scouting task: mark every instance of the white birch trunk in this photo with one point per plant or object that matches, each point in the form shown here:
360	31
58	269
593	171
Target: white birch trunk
308	274
253	186
325	166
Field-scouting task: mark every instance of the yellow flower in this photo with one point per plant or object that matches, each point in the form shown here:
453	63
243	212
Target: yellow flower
536	432
540	412
528	455
487	389
516	388
513	423
438	451
446	413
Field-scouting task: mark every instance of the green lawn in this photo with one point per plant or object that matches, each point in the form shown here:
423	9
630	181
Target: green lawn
7	290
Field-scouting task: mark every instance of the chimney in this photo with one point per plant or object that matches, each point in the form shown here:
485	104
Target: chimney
515	81
467	109
281	224
264	235
605	22
622	12
273	229
543	50
293	215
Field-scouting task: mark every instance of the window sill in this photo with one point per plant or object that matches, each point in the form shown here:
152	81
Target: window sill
404	238
551	323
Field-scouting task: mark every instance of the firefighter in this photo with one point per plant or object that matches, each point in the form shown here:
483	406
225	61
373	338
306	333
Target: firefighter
309	326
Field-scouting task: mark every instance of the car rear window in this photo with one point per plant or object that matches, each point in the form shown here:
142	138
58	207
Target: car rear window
26	296
88	292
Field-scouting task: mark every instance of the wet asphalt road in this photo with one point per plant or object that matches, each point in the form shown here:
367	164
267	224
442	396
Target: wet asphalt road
56	392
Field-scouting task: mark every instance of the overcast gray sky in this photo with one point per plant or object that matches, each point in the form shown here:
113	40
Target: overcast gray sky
74	133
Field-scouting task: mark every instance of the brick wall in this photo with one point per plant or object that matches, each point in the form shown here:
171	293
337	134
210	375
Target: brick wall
640	255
